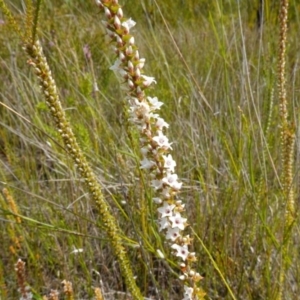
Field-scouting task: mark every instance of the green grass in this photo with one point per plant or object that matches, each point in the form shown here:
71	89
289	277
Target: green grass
228	156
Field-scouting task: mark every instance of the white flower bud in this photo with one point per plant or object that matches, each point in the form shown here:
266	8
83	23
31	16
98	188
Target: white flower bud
107	12
131	41
136	55
117	22
122	56
137	73
128	51
130	84
120	13
130	67
99	3
119	41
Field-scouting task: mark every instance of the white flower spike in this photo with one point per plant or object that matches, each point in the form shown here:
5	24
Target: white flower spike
155	145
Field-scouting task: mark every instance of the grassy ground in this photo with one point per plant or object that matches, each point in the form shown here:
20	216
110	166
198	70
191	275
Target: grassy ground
227	153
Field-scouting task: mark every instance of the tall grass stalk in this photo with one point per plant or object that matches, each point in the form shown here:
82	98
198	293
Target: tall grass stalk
42	70
287	144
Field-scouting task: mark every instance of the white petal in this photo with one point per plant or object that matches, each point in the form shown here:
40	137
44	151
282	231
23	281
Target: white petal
128	24
182	251
178	221
155	104
166	210
173	233
147	164
157	184
164	223
116	65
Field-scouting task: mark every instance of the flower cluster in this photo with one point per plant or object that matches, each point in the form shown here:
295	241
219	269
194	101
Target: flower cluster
155	146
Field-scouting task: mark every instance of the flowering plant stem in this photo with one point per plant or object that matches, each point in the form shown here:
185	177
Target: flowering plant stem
47	83
287	148
155	146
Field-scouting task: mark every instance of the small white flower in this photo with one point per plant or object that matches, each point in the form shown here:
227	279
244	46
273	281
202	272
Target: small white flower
178	221
166	210
169	162
182	251
148	80
188	293
157	184
116	66
142	111
154	103
164	223
173	233
133	101
162	141
128	24
147	164
171	180
153	116
160	123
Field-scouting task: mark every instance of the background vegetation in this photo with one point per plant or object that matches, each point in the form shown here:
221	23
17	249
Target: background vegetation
227	154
